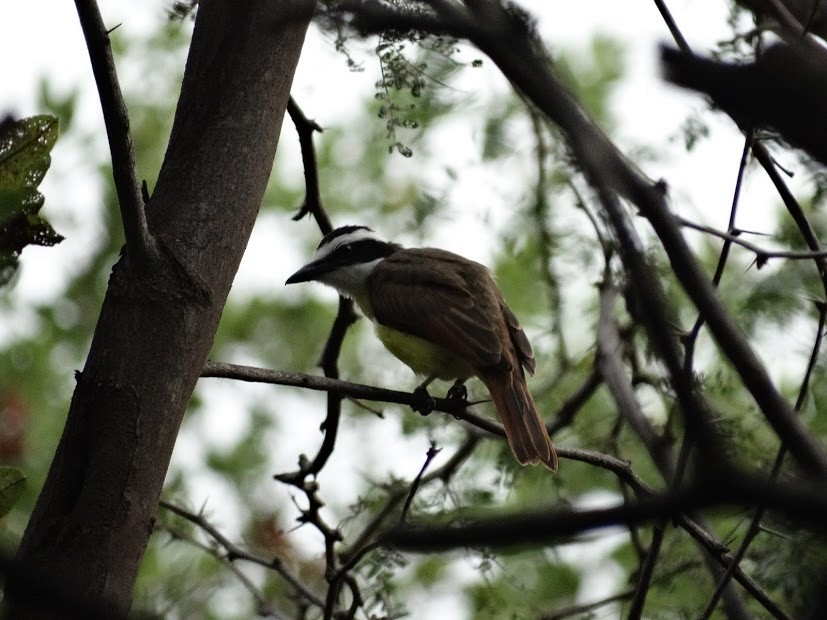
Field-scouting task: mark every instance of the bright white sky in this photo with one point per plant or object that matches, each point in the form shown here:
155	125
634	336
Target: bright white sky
42	38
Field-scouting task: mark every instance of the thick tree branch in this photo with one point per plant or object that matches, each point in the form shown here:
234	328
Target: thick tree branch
48	595
141	246
802	504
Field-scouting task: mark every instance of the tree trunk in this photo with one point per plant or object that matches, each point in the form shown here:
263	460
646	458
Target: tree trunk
94	516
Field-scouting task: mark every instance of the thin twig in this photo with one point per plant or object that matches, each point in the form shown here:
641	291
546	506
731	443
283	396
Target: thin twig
345	317
691	338
263	606
793	207
398	492
451	406
432	452
584	608
234	552
647	571
762	254
670	22
141	246
312	200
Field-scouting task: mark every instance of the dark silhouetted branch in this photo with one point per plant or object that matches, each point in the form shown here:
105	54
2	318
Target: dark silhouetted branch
801	503
141	246
432	452
312	199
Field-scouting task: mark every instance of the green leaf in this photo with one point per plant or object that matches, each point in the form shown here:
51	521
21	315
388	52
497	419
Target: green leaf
12	485
24	159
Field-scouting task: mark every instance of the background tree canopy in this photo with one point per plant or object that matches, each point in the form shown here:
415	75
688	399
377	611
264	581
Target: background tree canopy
652	396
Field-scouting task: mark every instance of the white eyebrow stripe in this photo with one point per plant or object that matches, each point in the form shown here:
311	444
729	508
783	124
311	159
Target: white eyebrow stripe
352	237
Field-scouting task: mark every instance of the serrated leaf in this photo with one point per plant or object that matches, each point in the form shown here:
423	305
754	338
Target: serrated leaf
12	484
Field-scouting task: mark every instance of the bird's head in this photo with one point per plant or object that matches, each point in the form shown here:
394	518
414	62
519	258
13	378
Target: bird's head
345	258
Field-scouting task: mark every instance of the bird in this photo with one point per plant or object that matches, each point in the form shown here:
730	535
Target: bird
444	316
785	89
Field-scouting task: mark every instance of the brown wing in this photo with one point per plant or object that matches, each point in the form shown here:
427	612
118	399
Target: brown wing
518	337
443	297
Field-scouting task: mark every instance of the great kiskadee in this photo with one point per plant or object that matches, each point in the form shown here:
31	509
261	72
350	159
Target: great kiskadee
444	316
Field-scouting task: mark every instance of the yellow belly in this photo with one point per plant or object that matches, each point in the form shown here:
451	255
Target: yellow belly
423	357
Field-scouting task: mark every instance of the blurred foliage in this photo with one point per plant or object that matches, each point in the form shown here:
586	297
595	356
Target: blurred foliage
12	483
547	257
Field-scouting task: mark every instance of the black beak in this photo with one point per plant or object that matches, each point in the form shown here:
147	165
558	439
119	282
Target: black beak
310	271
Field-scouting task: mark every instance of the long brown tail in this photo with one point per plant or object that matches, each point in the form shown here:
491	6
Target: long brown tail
524	429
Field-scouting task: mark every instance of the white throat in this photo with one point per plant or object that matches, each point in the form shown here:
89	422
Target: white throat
352	280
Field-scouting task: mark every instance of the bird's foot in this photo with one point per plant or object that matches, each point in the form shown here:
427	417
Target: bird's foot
458	391
423	403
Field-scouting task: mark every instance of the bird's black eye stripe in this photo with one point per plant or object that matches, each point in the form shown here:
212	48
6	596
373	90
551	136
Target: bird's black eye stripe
363	251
